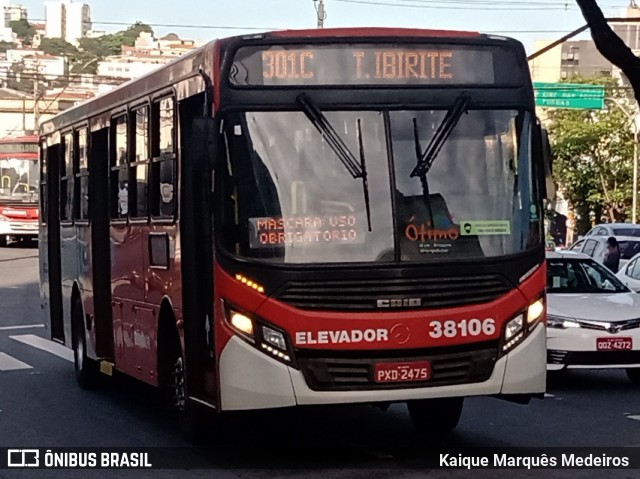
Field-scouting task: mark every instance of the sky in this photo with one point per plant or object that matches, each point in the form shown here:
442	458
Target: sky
525	20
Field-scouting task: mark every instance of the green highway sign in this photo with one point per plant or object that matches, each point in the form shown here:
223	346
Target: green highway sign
582	96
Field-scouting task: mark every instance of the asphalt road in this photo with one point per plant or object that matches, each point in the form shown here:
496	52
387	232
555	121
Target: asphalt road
41	406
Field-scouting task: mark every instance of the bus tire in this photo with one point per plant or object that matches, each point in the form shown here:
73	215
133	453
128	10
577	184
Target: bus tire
3	241
86	369
435	416
190	416
634	375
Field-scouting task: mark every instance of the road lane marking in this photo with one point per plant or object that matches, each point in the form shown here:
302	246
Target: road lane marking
26	326
45	345
637	418
8	363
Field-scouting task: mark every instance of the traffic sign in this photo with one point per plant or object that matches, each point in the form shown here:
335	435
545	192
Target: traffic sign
582	96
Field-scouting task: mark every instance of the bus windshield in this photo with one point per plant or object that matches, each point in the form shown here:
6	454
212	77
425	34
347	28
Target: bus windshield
290	197
19	180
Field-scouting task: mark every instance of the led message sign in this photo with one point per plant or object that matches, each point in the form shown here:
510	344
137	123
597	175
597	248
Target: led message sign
373	64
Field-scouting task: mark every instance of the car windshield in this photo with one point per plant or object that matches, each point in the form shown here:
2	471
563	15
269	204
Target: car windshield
19	180
316	186
581	276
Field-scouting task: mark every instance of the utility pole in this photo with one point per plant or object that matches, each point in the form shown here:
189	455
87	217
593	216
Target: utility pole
319	4
36	100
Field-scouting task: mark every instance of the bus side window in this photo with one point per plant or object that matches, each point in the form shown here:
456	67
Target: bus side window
163	180
66	179
81	206
139	168
119	169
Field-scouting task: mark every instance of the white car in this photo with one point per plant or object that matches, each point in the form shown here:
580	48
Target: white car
596	247
593	320
615	229
630	273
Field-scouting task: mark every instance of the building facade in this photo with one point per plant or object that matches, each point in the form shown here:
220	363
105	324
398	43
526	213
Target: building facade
68	20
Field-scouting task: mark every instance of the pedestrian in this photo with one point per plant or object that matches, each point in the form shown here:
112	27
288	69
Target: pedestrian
612	258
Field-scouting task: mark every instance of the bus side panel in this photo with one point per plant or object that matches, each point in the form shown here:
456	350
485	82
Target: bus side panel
128	292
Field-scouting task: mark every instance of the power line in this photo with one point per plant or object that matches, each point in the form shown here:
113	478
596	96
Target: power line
460	7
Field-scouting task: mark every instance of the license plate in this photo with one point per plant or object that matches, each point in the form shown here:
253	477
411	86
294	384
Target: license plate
402	372
614	344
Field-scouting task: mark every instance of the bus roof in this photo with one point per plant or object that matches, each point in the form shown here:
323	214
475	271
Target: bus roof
201	59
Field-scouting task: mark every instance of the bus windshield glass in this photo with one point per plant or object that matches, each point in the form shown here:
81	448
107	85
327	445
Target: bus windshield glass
467	193
19	180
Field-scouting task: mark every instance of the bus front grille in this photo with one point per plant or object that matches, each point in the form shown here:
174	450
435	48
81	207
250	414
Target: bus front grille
397	294
333	371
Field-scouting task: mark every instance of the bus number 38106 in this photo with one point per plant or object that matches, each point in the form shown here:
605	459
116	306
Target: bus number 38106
464	328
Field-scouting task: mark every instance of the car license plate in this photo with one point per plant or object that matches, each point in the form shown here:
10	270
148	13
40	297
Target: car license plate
402	372
614	344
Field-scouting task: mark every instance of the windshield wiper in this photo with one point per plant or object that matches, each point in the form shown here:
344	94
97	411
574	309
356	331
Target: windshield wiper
342	151
445	128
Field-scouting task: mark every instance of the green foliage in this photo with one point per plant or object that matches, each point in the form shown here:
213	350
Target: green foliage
23	29
593	155
57	47
4	46
133	32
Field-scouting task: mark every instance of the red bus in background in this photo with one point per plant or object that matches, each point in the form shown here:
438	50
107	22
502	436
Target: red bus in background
19	186
306	217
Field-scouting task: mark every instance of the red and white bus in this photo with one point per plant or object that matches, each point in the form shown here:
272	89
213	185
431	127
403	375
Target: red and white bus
306	217
19	180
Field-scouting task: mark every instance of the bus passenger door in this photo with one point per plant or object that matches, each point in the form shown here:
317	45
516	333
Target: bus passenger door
196	238
58	332
100	246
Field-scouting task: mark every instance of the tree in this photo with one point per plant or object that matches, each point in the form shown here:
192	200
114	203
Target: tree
592	157
133	32
610	45
57	47
4	46
23	29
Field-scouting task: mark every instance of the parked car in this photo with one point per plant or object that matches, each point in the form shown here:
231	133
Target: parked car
630	274
596	247
615	229
593	320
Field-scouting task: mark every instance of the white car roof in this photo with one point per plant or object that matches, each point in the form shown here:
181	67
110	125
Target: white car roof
605	238
566	254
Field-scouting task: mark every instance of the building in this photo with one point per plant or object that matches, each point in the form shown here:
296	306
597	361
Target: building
15	12
581	57
68	20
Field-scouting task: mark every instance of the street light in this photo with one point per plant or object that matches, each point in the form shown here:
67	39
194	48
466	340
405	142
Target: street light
633	120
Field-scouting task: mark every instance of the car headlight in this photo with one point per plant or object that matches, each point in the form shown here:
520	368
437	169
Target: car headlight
559	322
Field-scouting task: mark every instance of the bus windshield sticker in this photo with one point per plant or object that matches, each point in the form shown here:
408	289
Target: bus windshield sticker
478	228
374	64
269	232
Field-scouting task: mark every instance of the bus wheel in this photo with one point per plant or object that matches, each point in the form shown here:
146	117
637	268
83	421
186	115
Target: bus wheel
634	375
3	241
435	416
190	416
86	369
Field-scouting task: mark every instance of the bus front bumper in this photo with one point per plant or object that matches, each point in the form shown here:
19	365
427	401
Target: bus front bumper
19	228
251	380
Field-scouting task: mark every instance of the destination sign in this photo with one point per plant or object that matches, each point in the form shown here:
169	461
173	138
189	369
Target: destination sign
13	148
374	64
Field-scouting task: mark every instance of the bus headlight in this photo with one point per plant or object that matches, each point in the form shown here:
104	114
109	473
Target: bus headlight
274	338
240	323
518	328
534	311
513	327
